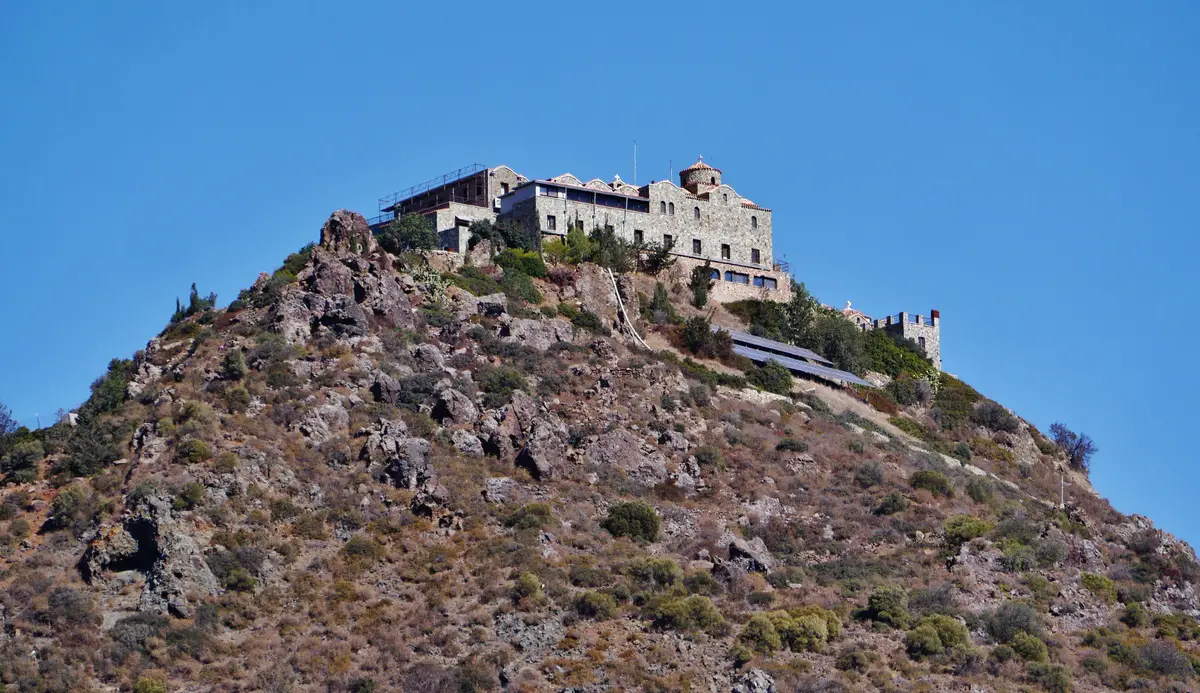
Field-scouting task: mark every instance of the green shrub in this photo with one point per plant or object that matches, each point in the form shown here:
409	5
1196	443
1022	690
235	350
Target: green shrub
909	426
772	376
519	286
955	401
933	481
923	641
596	605
20	463
894	355
409	232
499	383
190	496
889	605
192	451
1018	558
710	457
963	528
527	586
1051	677
696	335
1010	618
700	282
759	635
980	489
1135	615
530	516
524	261
234	366
655	573
791	445
633	519
1100	586
475	281
589	321
687	613
1029	647
148	685
891	504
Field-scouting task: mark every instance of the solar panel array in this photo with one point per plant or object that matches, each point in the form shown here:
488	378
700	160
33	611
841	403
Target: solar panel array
824	372
764	344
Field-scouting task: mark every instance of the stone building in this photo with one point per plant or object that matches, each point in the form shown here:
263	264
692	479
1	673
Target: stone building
452	201
702	218
925	331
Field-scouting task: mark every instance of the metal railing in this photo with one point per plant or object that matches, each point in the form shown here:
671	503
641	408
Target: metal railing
435	182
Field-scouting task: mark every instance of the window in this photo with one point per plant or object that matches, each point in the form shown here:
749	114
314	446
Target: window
754	222
695	246
662	207
726	196
755	256
479	189
713	180
504	188
737	277
714	274
671	207
668	241
766	282
637	236
725	251
551	222
921	342
695	212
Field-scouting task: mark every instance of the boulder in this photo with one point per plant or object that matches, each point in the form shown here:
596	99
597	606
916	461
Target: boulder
428	358
500	490
753	681
325	422
537	334
454	407
623	450
393	456
751	556
347	232
466	442
546	444
385	388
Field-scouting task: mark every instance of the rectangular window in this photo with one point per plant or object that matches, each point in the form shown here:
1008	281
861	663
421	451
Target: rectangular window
754	255
724	251
668	241
551	222
637	236
921	342
695	246
765	282
737	277
504	188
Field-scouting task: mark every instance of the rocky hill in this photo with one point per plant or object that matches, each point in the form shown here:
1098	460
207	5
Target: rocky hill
370	474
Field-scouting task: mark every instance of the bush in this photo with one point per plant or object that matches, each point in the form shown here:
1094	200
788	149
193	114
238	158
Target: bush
518	286
475	281
888	604
192	451
980	489
772	376
499	383
1135	615
759	635
909	426
1100	586
937	634
963	528
589	321
1051	677
891	504
894	355
933	481
655	573
1005	621
633	519
696	335
527	586
148	685
73	508
20	464
234	366
531	516
1029	647
596	605
688	613
955	401
993	416
710	457
869	474
408	233
923	641
700	282
525	261
791	445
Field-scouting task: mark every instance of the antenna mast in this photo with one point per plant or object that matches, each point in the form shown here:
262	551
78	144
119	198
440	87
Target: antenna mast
635	163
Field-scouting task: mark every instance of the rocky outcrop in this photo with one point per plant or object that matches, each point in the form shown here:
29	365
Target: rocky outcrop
621	449
325	422
750	555
347	232
537	334
753	681
453	407
392	455
151	541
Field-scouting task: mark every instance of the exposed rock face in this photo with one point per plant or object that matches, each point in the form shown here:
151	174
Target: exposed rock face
466	442
622	449
347	232
429	358
153	542
752	556
325	422
391	454
546	444
385	388
537	334
753	681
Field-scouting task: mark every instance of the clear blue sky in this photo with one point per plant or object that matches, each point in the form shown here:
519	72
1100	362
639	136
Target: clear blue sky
1028	168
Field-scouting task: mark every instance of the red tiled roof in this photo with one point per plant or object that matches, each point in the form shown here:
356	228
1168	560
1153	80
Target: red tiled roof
701	166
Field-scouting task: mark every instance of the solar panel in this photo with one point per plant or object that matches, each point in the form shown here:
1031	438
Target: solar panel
759	356
771	345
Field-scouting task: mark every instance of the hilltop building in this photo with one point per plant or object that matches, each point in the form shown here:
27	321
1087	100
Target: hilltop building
702	218
925	331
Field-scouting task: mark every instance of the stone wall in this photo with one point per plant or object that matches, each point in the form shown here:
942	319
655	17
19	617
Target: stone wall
925	331
725	291
453	235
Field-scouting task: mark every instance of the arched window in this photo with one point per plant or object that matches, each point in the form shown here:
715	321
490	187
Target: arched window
672	209
662	207
696	212
713	180
754	222
726	196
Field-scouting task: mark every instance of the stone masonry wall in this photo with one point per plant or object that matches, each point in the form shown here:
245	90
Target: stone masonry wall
725	292
923	330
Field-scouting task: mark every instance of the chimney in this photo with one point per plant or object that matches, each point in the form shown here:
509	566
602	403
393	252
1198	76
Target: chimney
935	317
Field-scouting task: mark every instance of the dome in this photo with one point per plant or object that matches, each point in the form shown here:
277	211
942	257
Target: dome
699	177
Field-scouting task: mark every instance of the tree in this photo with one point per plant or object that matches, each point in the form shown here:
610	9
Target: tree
1079	446
506	233
8	424
196	304
408	233
658	257
700	282
837	339
610	250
